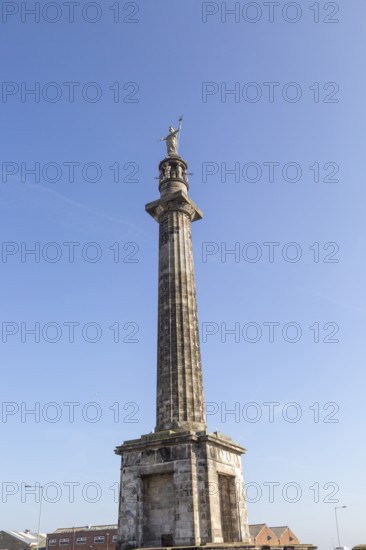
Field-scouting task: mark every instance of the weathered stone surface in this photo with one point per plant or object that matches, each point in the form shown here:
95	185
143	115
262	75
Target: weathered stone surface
179	386
180	486
185	493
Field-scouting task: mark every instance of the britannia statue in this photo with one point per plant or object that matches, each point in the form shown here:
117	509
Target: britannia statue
172	140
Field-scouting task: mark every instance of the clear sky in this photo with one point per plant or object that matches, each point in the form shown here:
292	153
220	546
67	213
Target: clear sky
293	132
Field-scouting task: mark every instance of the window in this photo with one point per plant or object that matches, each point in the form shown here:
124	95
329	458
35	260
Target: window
99	540
114	538
63	542
52	542
80	540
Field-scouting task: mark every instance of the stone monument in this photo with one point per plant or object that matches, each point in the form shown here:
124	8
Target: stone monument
180	485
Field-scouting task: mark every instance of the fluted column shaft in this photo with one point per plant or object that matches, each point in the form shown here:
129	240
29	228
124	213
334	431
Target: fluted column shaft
180	402
179	383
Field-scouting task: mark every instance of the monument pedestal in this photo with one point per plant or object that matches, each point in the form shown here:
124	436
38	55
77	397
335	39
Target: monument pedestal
182	488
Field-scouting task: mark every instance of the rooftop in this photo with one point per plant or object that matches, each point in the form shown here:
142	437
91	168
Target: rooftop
85	528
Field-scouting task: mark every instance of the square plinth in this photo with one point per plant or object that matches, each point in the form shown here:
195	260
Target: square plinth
181	488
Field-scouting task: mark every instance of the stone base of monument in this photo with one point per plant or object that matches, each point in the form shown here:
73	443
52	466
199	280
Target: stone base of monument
228	546
181	488
238	546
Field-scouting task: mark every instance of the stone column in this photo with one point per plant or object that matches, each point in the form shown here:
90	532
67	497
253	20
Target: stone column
180	402
180	486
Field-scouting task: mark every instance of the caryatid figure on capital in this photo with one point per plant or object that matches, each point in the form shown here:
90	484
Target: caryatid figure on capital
172	140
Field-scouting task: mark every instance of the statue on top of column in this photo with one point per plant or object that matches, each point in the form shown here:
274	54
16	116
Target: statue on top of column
172	140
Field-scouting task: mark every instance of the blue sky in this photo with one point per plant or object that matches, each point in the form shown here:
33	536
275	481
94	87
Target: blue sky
161	63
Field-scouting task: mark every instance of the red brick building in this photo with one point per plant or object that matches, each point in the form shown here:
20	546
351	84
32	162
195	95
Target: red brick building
262	535
92	537
285	536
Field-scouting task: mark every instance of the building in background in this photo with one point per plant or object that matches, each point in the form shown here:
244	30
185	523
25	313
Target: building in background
21	540
262	535
285	536
88	537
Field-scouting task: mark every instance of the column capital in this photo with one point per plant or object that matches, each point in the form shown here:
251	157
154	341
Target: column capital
174	201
